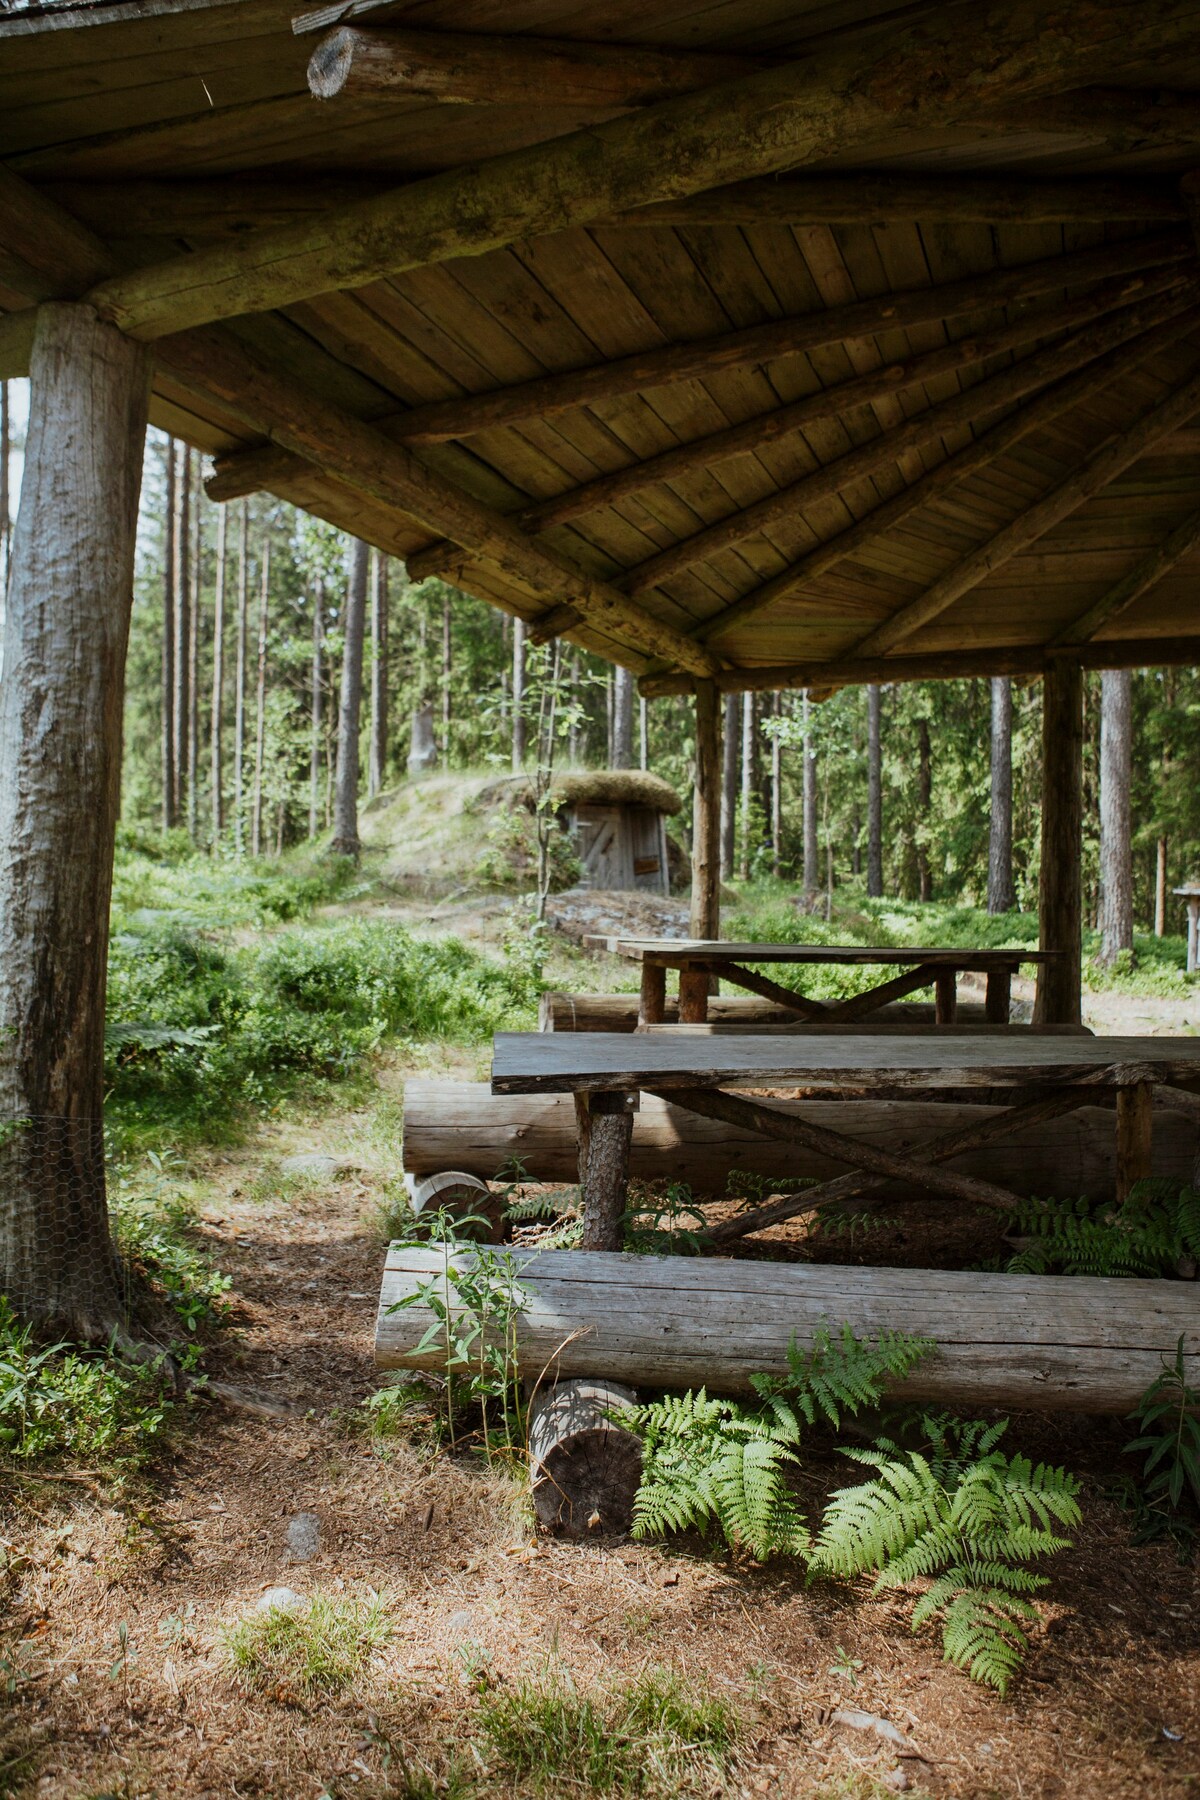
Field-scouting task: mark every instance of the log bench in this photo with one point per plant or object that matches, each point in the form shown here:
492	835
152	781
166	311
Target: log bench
558	1011
463	1126
1046	1342
1045	1076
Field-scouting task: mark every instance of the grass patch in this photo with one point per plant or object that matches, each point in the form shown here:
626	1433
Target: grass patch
652	1735
322	1648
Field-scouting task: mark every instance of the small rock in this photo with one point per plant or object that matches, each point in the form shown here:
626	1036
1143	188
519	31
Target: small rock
280	1599
459	1621
303	1536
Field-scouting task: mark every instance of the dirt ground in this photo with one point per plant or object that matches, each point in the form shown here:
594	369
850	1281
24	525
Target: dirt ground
115	1602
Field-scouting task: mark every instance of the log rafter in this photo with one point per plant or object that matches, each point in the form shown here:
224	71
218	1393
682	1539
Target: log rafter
1146	574
876	523
1103	466
1098	346
835	401
963	60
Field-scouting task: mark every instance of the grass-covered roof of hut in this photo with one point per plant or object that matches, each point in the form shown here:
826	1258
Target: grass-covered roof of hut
616	787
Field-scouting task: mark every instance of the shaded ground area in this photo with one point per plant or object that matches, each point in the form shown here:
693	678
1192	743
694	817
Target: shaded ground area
115	1604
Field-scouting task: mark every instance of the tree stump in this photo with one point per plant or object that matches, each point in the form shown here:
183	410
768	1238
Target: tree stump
584	1468
477	1212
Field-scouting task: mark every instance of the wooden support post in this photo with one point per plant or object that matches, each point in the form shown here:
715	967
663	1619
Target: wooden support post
694	986
945	991
1135	1114
706	816
998	998
652	1006
605	1169
61	700
1059	998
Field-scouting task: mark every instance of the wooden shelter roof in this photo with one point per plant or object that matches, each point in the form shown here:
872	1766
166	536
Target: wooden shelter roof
907	393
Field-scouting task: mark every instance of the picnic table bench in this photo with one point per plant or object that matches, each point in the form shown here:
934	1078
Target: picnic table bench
1040	1077
698	960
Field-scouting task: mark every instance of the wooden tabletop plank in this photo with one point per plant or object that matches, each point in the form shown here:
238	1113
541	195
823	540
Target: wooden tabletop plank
565	1062
723	950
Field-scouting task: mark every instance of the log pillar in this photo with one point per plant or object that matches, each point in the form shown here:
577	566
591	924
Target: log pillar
1059	998
945	990
61	702
652	1002
706	817
605	1133
1135	1136
998	997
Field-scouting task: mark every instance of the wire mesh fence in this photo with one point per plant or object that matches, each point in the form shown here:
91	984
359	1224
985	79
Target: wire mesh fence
58	1253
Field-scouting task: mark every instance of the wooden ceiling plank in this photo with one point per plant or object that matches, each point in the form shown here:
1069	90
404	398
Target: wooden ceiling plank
965	58
835	401
1099	345
1145	575
788	337
886	518
472	69
212	363
1099	469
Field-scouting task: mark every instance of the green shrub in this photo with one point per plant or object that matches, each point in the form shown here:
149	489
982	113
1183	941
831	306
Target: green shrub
154	1227
86	1406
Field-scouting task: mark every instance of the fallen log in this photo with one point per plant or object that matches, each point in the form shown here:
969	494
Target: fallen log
584	1468
477	1212
1048	1342
464	1126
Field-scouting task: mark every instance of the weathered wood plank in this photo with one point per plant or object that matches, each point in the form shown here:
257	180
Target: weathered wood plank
563	1062
1081	1344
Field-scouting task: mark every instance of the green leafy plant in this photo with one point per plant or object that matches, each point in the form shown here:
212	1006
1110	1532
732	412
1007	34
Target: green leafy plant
476	1299
57	1402
709	1462
670	1225
1170	1440
968	1519
1155	1232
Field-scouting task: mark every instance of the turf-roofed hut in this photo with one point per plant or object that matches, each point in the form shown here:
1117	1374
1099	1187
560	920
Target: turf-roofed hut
777	343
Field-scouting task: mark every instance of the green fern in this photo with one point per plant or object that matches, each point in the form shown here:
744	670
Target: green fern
1156	1232
964	1517
710	1462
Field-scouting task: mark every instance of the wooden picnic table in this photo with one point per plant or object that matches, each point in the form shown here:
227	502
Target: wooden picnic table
698	960
606	1072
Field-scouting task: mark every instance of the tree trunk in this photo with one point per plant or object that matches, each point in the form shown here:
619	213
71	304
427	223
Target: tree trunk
260	710
777	788
447	672
643	733
183	624
1000	896
377	764
874	794
61	704
1160	888
575	740
193	684
1059	994
168	647
239	704
5	499
705	918
1116	855
315	696
218	681
747	783
812	852
518	696
924	806
729	785
622	744
346	840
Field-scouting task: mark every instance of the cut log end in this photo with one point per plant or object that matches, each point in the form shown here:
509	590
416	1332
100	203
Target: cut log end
469	1202
585	1468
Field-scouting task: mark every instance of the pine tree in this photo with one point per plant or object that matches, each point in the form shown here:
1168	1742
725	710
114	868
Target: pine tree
346	840
218	682
377	761
260	713
168	645
1000	897
622	737
874	793
243	645
812	851
316	687
1116	861
518	695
